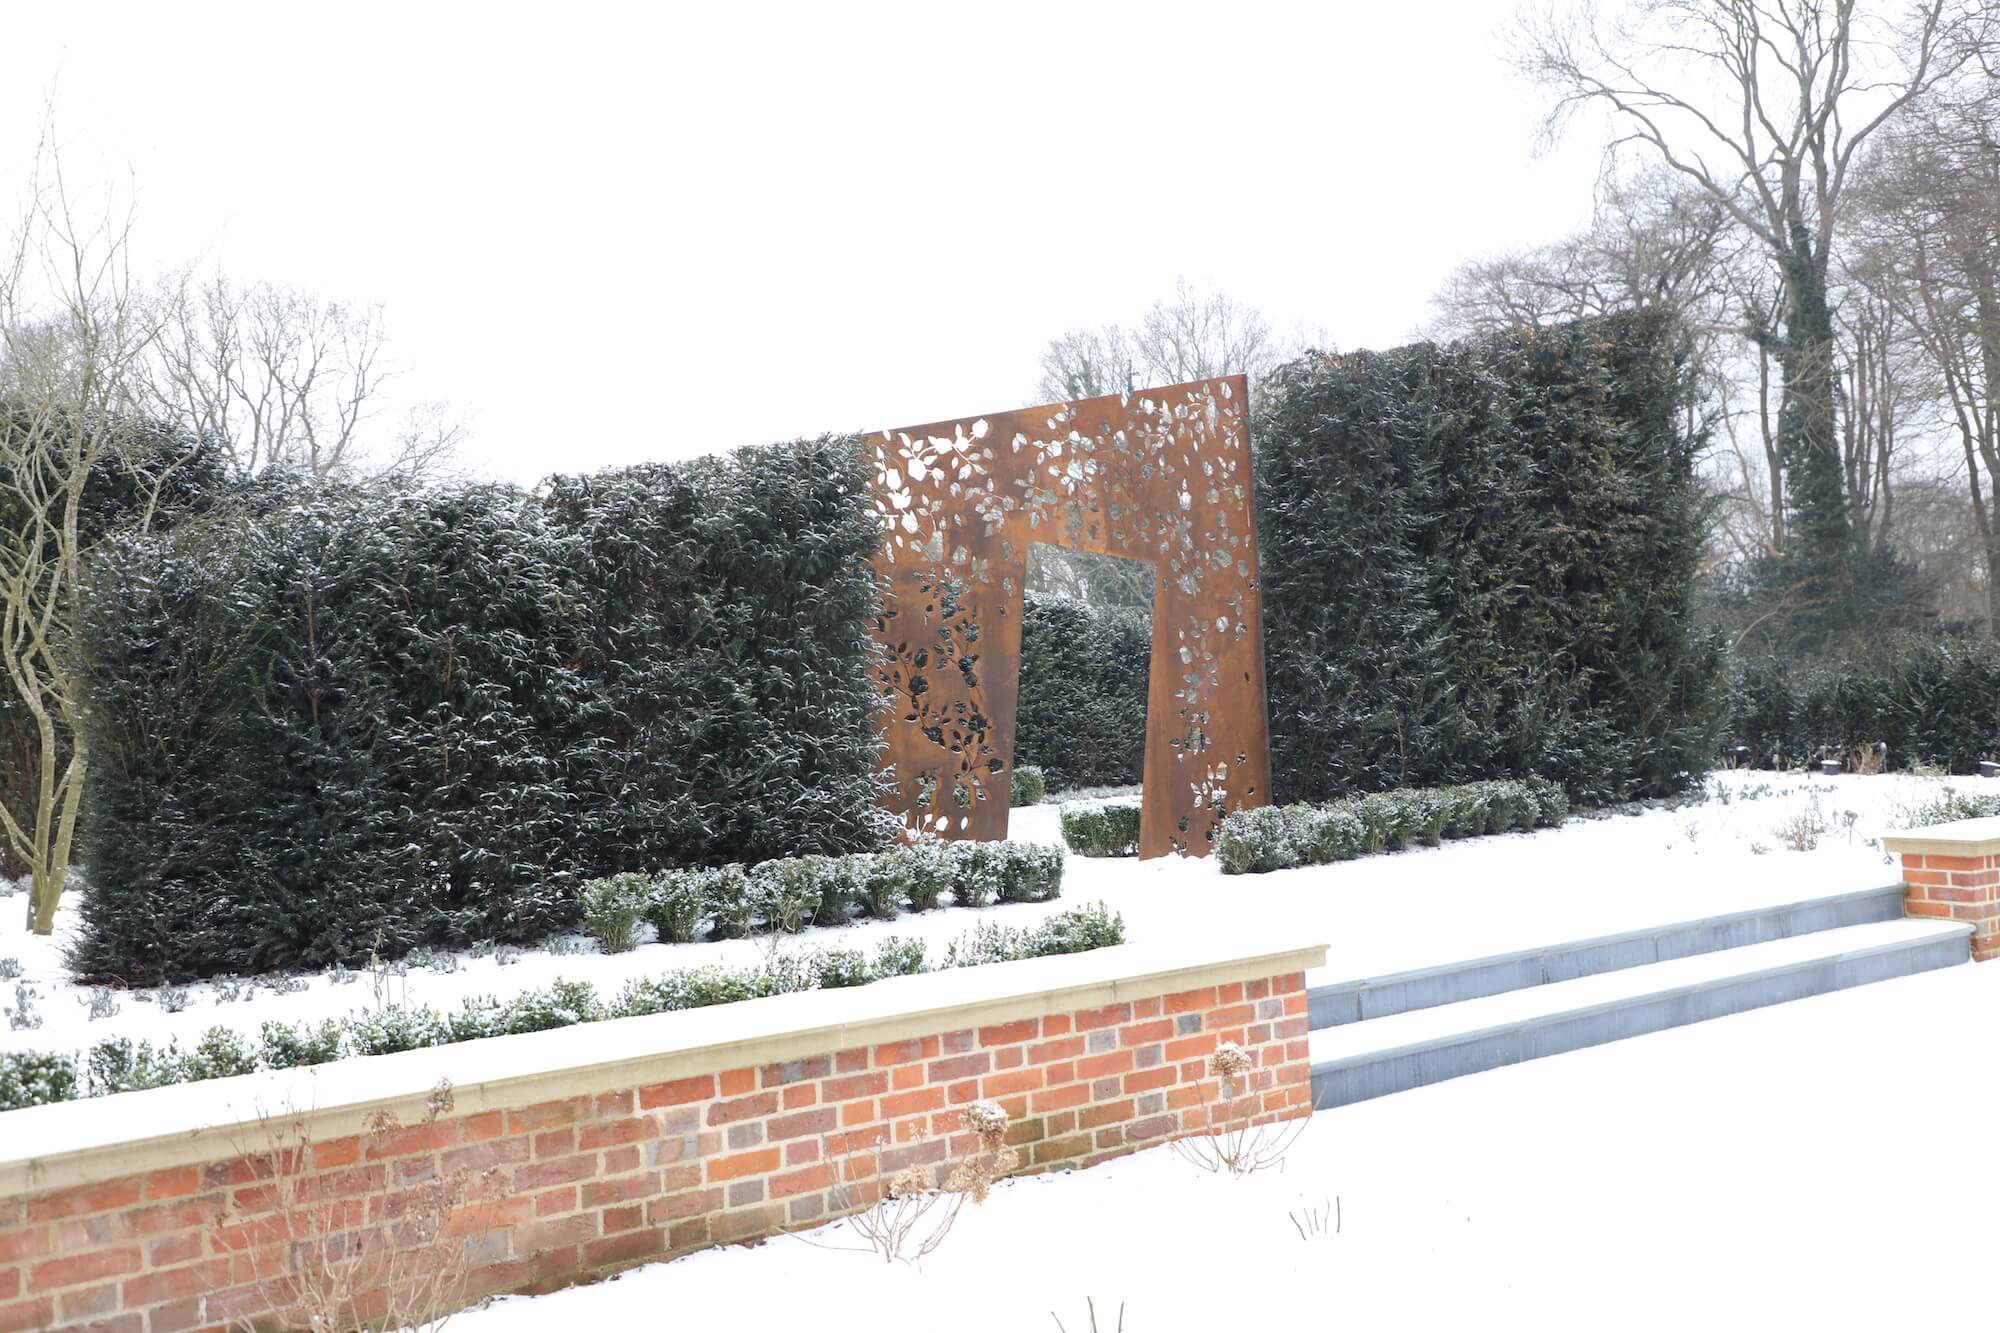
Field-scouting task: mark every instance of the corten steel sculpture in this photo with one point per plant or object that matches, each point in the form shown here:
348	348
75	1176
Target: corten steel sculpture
1159	475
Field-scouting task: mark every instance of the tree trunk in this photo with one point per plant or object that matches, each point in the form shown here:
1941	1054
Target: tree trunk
1819	528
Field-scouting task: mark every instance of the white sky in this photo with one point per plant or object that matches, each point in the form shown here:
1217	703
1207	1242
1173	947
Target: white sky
617	233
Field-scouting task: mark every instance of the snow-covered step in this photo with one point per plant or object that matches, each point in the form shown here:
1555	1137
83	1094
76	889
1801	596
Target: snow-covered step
1356	1061
1378	997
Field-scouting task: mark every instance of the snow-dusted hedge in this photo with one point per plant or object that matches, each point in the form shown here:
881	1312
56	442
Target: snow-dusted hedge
1280	837
1080	715
1030	785
1929	698
118	1064
1101	830
786	895
1479	561
367	719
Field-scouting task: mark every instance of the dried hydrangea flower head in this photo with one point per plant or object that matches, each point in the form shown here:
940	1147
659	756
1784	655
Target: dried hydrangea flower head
1230	1060
974	1177
988	1121
911	1181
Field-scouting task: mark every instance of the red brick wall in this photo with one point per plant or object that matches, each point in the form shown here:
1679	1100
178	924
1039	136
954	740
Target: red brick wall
563	1190
1956	888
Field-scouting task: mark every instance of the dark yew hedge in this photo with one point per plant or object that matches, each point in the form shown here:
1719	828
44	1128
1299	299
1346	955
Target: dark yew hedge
731	708
1479	561
371	718
1928	699
1081	715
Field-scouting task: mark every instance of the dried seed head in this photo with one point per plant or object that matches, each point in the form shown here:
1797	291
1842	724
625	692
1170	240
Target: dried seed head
1230	1060
911	1180
988	1121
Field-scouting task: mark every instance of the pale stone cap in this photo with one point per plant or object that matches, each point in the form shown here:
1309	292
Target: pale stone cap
1961	837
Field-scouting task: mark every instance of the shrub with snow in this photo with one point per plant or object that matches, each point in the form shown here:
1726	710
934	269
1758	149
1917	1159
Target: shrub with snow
1281	837
613	907
120	1065
1482	557
381	717
1101	830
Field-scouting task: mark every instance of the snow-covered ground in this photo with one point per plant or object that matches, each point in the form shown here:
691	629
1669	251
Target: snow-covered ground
1812	1165
1378	914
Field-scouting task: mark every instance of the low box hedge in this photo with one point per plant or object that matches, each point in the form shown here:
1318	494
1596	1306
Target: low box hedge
787	895
1279	837
1101	830
118	1064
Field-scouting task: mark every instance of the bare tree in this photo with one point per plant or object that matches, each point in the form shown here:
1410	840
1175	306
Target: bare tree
1099	580
1929	219
284	379
1195	335
73	332
1655	241
1652	241
1762	105
1087	363
429	443
1199	334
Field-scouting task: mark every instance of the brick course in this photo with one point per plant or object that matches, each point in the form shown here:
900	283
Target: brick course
1956	888
562	1190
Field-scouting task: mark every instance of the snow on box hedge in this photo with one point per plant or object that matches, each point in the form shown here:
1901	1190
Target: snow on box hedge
119	1064
788	895
371	718
1109	828
1280	837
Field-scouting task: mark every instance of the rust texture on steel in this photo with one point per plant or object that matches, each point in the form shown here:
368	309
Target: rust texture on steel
1158	475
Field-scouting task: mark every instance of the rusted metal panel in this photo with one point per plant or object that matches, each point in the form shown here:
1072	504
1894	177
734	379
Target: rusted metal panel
1157	475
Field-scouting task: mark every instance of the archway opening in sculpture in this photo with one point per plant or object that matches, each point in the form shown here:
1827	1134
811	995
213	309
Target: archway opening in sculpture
1086	654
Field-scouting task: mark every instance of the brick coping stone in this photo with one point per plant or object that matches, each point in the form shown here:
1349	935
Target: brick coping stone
1961	837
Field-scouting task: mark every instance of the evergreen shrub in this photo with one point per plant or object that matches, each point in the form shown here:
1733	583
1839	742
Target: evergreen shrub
1030	785
787	895
35	1078
613	908
30	1078
1953	806
1930	699
380	718
1479	561
1101	830
1281	837
1080	715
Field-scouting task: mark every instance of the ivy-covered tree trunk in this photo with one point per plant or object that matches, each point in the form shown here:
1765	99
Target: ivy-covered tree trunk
1820	543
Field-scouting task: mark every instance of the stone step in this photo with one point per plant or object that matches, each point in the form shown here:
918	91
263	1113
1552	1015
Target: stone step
1450	983
1356	1061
